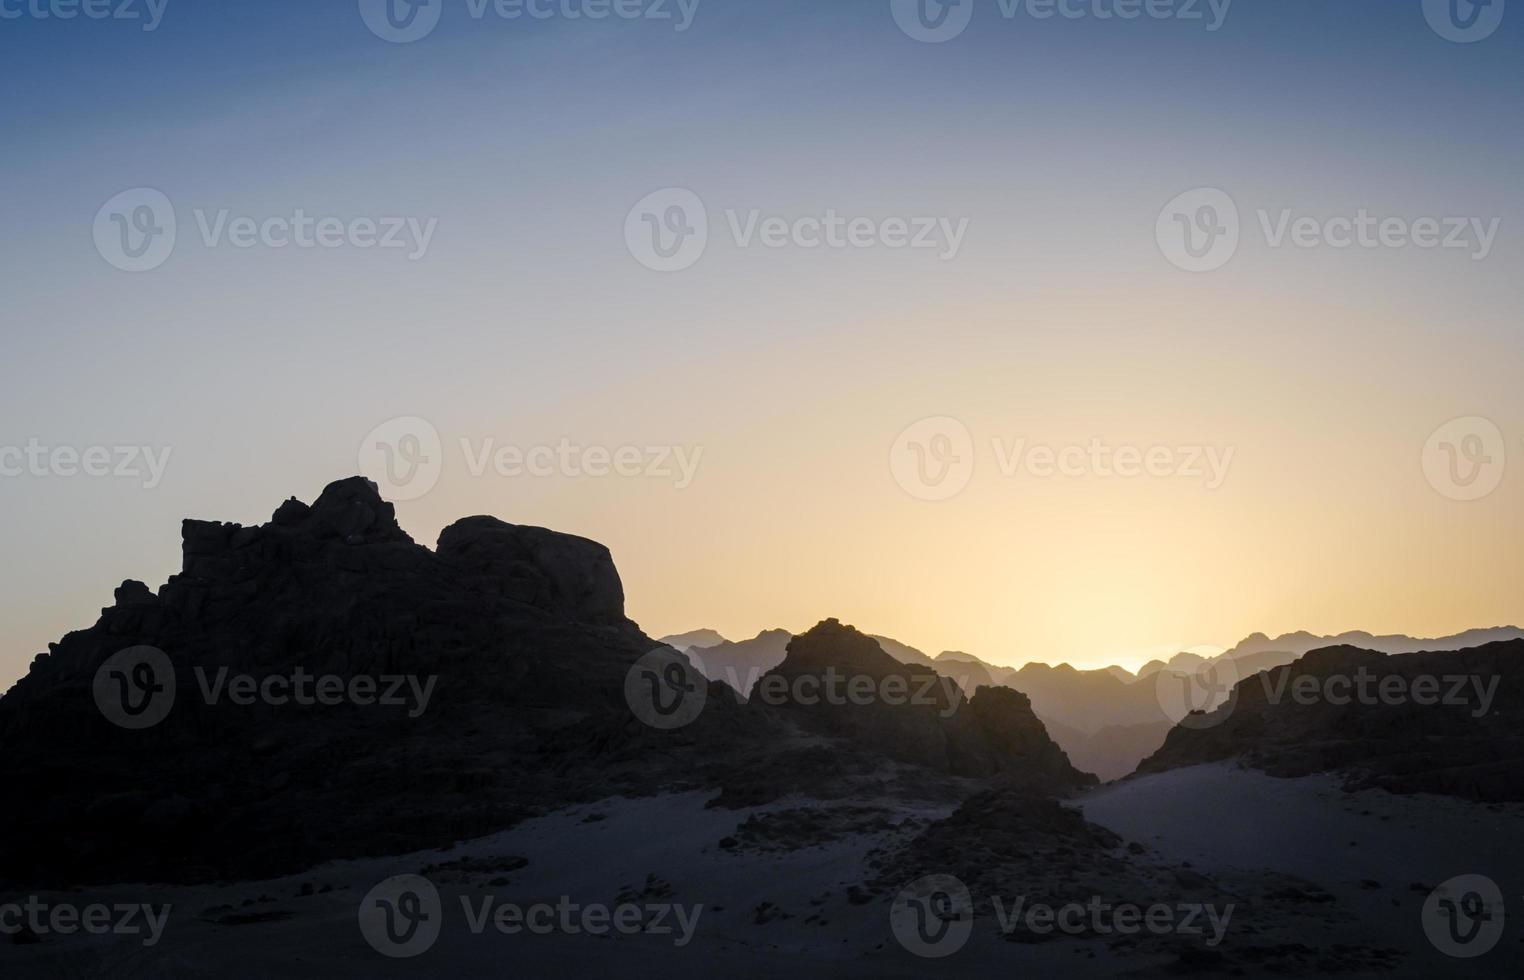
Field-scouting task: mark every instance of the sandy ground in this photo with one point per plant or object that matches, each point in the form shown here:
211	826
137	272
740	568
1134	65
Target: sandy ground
666	850
1222	818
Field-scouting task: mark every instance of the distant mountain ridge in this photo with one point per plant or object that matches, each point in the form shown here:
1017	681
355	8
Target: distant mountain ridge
1108	719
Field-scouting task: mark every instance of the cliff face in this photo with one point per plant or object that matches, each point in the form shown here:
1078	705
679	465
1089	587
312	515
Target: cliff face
1447	722
466	686
839	681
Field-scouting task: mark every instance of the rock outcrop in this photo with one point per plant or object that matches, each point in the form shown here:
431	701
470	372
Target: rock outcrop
838	681
515	637
1448	722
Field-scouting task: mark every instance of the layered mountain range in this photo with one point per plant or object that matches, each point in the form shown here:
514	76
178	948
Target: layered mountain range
1107	720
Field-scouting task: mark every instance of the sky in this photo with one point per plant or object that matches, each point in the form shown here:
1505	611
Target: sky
1050	338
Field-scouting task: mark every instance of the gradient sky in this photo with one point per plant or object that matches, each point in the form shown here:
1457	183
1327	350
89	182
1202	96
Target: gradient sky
528	321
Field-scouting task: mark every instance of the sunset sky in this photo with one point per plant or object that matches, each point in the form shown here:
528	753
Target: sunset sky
790	373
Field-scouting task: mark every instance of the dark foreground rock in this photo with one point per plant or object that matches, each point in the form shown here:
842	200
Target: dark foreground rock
449	693
516	634
838	681
1449	722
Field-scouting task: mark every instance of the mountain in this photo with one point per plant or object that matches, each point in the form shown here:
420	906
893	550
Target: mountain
977	671
507	645
693	638
1449	722
912	713
740	663
1183	661
321	687
1300	642
1113	751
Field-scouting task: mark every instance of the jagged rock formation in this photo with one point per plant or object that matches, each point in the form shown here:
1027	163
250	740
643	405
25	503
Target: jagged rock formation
1448	722
911	713
522	631
506	652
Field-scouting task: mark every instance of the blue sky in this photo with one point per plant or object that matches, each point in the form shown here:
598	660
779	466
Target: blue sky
527	141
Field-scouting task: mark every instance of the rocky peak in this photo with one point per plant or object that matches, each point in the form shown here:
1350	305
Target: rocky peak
559	573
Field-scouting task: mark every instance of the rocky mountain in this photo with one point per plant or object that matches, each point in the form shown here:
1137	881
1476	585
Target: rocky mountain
971	672
1113	751
1184	660
1294	645
322	687
692	639
1448	722
465	687
839	681
740	663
